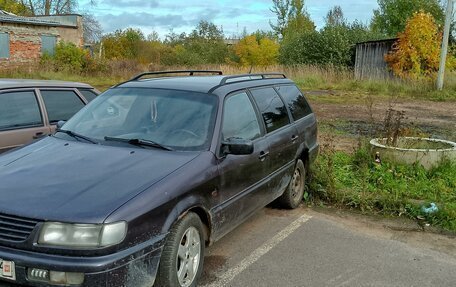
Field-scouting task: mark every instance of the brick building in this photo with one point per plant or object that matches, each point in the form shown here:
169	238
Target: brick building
24	39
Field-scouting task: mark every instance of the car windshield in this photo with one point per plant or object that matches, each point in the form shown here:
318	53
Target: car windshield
178	120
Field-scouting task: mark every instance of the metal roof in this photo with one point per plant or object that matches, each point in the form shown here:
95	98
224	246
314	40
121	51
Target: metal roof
24	83
378	41
3	12
6	18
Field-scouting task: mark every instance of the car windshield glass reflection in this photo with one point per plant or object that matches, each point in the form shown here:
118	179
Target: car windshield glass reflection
179	120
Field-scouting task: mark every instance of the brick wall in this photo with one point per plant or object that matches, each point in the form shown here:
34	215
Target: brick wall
25	43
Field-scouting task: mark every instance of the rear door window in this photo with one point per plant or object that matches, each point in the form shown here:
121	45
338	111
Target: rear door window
272	108
61	105
19	110
295	101
89	95
239	118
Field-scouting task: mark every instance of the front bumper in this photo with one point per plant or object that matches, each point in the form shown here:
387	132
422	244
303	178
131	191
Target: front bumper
136	266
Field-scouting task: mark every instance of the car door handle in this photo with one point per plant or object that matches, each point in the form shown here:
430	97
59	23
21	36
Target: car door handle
263	155
294	138
38	135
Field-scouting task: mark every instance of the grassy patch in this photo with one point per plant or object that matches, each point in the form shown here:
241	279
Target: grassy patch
354	180
308	77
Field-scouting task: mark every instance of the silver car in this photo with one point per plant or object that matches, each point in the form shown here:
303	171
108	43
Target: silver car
30	109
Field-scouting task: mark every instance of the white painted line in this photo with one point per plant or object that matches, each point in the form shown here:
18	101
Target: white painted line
228	276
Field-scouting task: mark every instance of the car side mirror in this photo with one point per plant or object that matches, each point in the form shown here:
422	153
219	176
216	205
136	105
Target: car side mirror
60	124
237	146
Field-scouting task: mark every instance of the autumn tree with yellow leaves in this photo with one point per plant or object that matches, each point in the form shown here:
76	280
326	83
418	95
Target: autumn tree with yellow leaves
252	51
416	52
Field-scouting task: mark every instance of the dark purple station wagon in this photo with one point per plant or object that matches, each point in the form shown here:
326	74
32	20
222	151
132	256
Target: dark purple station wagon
131	189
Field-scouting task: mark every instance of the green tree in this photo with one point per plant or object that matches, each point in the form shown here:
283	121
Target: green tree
332	45
204	45
123	44
392	15
15	7
207	31
50	7
292	18
335	17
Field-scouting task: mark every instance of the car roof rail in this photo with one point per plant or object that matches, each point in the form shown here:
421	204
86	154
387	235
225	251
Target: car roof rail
251	77
189	72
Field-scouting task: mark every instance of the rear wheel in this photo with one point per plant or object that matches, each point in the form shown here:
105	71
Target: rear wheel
294	193
181	262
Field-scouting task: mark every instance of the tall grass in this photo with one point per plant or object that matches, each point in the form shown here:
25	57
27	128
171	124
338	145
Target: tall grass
308	77
355	181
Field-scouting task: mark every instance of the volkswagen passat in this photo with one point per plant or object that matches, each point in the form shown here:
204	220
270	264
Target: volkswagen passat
131	189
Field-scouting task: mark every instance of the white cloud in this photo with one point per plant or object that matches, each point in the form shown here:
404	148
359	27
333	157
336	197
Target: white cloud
232	15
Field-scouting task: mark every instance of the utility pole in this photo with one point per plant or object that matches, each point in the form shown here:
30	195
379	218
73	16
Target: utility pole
444	52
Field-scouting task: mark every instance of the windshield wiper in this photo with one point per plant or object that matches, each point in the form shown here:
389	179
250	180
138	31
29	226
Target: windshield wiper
76	135
139	142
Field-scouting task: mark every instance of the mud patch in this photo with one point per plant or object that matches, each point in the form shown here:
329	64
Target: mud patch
274	210
213	264
139	275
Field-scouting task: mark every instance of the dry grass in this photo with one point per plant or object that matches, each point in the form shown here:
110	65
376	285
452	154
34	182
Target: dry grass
308	77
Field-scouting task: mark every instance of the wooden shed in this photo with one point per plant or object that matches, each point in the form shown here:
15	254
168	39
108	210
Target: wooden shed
370	59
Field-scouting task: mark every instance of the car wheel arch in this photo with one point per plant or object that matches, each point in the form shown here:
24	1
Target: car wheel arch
180	211
303	154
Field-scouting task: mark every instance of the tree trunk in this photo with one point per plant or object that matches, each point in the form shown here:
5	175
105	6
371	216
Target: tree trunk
47	8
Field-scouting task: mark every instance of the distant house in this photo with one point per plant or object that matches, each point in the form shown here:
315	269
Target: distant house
24	39
231	42
370	59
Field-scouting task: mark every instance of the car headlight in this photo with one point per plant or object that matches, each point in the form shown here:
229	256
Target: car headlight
82	235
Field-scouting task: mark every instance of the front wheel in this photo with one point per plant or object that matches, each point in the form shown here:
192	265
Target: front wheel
181	262
294	193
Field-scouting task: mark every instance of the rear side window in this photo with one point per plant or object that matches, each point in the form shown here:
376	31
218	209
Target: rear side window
239	118
88	95
295	100
61	105
19	110
272	108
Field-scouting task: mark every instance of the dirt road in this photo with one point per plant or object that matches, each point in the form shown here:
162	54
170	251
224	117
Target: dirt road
348	117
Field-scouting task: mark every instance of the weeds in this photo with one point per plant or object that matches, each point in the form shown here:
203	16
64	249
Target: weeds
392	126
356	181
308	77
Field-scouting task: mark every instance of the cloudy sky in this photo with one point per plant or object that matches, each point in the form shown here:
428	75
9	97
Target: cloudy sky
232	15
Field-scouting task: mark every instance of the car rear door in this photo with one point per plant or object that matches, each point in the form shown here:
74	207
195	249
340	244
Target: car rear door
281	135
60	104
21	118
303	118
243	178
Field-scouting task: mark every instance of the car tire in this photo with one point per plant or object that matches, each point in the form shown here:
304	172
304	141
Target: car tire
181	262
294	193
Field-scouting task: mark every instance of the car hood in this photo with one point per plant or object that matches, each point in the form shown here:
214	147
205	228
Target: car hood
69	181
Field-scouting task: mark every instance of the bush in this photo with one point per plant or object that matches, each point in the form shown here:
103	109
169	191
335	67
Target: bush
333	45
256	51
69	58
416	54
